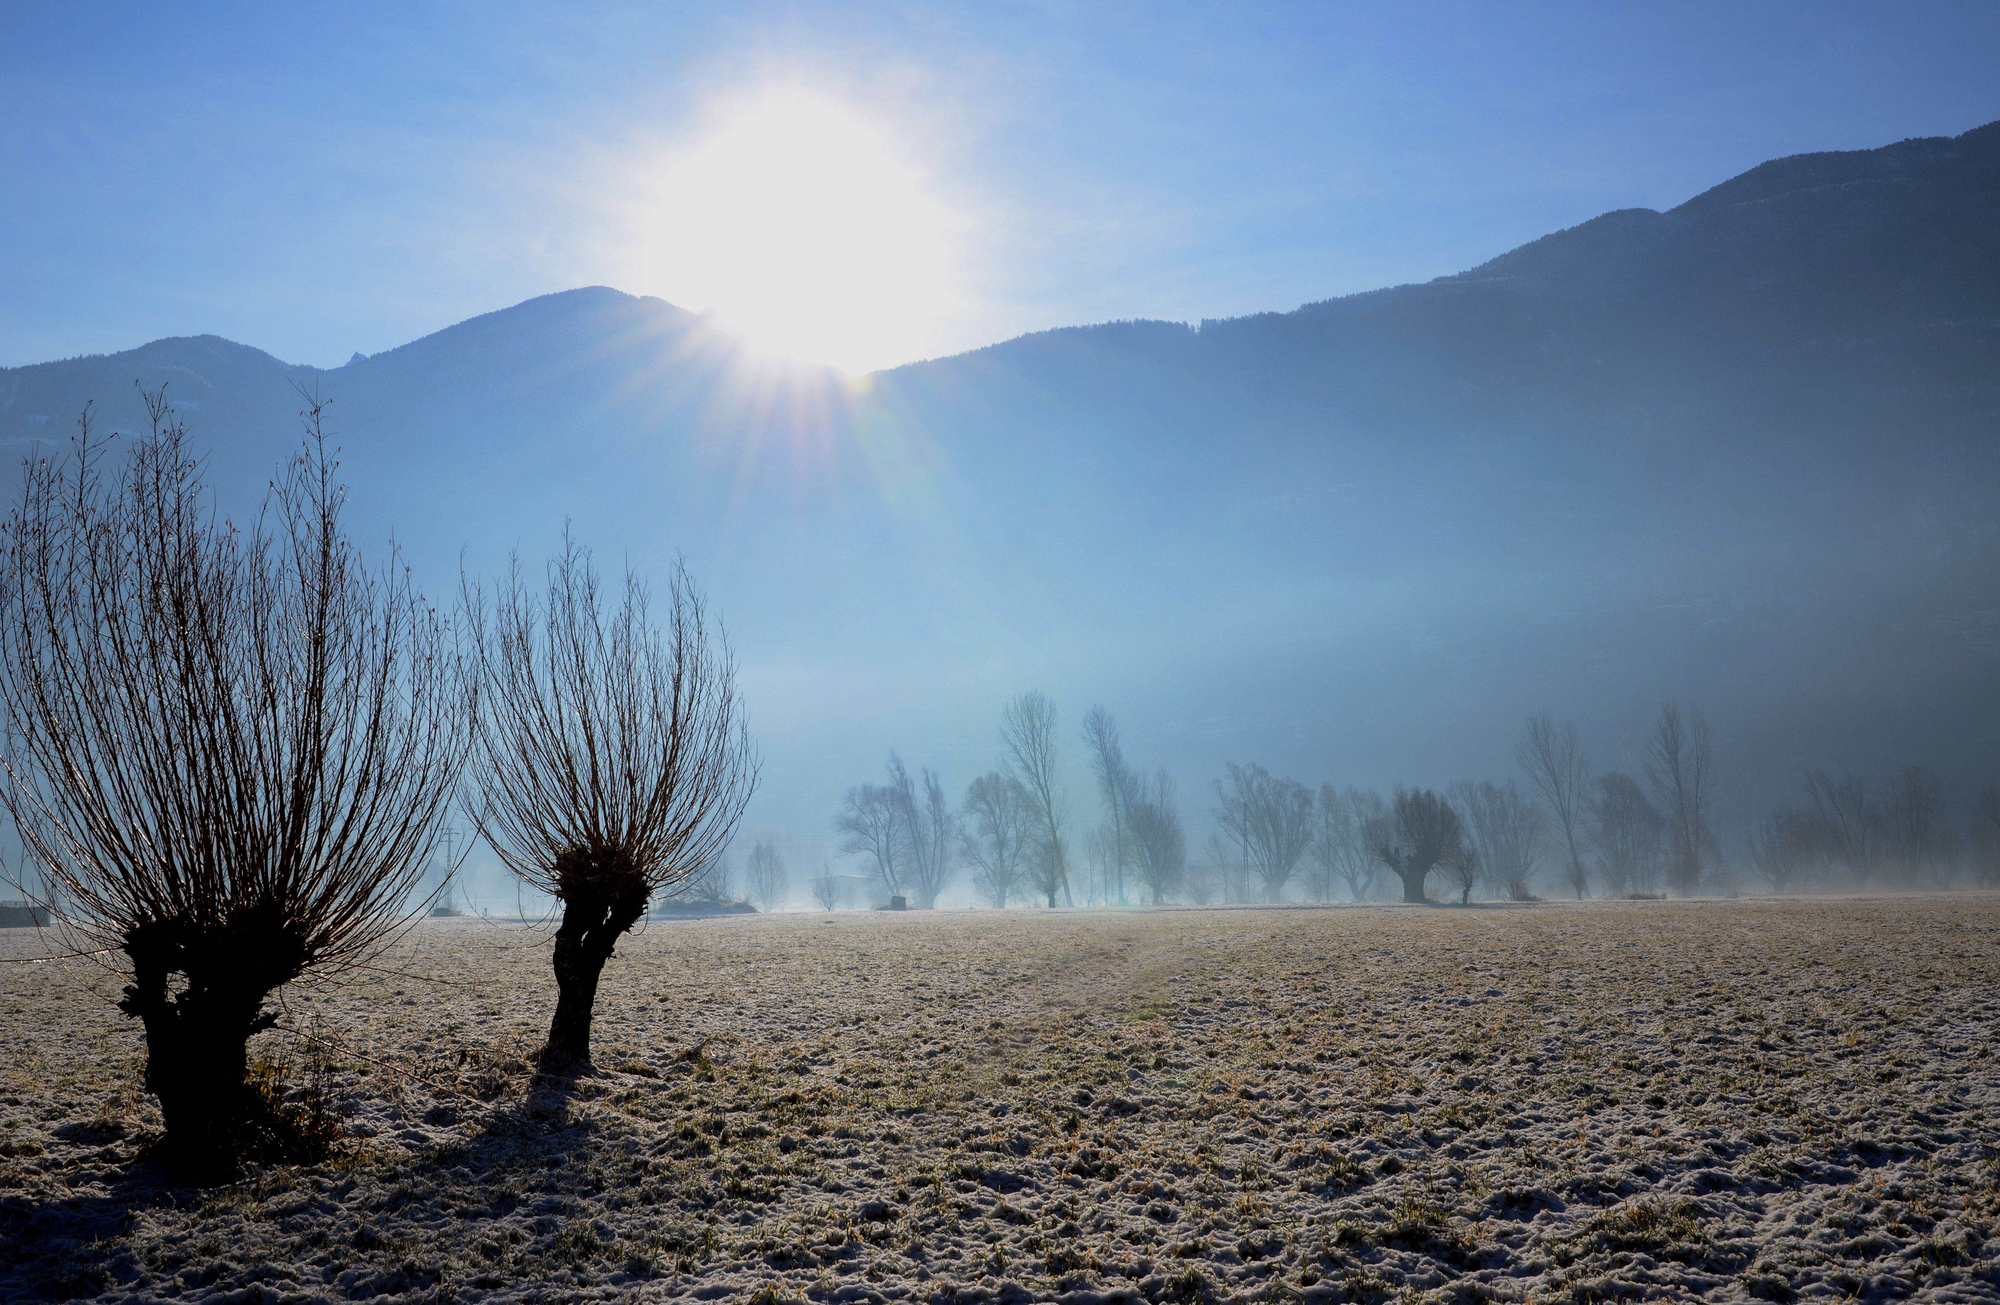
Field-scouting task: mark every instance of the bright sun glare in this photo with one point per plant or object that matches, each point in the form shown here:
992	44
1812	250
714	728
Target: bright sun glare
799	224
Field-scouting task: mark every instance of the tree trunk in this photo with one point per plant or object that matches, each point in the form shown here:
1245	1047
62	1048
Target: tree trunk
1413	885
595	916
197	1039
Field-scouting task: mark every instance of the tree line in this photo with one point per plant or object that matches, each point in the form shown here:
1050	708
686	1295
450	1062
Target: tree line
1569	829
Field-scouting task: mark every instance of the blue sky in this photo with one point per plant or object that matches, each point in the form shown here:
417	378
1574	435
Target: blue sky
317	180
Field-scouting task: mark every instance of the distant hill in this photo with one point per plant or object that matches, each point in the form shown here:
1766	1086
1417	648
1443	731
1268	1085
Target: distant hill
1745	452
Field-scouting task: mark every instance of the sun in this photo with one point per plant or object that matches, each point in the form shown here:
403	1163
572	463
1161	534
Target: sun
802	227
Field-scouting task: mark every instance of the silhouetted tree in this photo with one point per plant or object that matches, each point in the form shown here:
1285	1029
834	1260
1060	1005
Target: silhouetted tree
1028	754
930	836
998	835
1115	786
1422	831
1100	851
231	750
713	883
1680	766
1986	837
1853	827
1339	839
613	758
1627	834
1554	760
872	820
1786	847
764	877
1505	829
1272	819
1918	840
1157	836
1463	870
1328	815
826	889
1203	879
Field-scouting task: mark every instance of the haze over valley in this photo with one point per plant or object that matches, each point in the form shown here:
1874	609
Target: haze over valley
1738	454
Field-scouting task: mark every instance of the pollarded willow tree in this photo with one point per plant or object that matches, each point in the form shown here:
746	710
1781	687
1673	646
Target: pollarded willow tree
1422	834
232	750
613	759
1271	819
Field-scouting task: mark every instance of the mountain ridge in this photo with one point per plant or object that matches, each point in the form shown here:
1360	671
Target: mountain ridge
1742	452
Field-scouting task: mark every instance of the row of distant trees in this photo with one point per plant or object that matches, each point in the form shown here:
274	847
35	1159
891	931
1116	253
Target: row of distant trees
1843	833
1012	826
1568	829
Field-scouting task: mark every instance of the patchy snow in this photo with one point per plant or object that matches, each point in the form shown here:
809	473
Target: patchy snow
1632	1100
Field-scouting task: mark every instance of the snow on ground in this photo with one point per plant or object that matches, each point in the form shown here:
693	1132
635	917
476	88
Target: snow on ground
1719	1099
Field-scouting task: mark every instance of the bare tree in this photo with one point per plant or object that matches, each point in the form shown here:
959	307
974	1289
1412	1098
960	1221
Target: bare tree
826	889
1627	834
930	836
1506	831
1463	869
1000	836
613	758
1986	837
1422	831
1786	848
230	753
1916	835
1271	818
1330	814
1854	827
872	820
1157	836
1203	879
1028	754
1680	766
1344	822
1560	772
713	883
764	877
1116	785
1100	853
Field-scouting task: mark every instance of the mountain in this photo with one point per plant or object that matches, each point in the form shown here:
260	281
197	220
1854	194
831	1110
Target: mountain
1745	452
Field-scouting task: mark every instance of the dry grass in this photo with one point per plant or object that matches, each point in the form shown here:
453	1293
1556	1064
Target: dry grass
1614	1101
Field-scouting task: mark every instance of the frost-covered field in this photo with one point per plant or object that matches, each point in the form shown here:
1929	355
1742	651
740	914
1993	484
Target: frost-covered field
1620	1100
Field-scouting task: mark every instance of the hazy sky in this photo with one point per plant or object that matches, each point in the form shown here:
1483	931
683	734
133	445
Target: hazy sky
866	183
